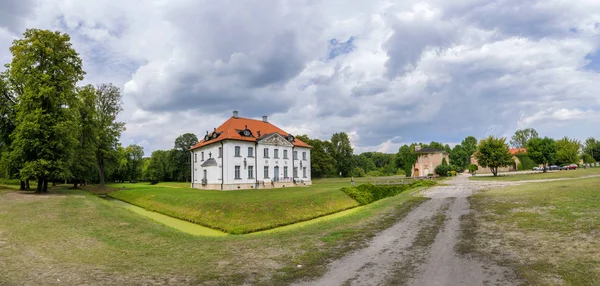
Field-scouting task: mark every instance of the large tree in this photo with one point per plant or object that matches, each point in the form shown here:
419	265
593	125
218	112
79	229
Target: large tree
321	162
522	137
406	158
567	151
134	162
459	157
469	144
183	160
592	148
342	152
108	106
542	151
44	71
83	165
493	153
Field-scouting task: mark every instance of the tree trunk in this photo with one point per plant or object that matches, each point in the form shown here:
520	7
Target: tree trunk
495	171
544	168
22	188
40	184
101	171
45	190
75	184
27	184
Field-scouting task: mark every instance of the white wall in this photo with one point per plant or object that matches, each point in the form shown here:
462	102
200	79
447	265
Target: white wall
305	163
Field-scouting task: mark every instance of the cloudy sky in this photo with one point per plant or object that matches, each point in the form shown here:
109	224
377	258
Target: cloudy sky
385	72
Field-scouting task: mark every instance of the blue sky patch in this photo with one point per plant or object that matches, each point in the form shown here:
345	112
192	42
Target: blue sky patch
594	61
337	48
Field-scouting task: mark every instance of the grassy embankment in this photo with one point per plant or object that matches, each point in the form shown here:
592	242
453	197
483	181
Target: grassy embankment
73	237
540	175
549	232
243	211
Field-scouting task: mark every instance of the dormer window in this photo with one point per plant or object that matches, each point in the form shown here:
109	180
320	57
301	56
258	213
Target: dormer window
246	132
290	138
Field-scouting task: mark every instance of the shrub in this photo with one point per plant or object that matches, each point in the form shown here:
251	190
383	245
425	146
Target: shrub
444	162
401	172
368	193
357	172
442	170
525	162
375	174
472	168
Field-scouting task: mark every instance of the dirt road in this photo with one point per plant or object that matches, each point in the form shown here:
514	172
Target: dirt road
419	250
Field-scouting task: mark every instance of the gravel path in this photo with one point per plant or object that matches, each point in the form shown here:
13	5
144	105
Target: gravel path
438	264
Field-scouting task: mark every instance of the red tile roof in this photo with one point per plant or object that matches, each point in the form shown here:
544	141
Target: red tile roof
515	151
229	131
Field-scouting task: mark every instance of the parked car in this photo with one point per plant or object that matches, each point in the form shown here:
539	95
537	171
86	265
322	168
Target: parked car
572	167
537	169
554	167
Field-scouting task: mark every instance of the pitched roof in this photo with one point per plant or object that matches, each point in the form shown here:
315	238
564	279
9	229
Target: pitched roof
229	130
515	151
430	150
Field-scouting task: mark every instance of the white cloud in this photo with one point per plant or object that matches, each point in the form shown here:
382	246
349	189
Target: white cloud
419	70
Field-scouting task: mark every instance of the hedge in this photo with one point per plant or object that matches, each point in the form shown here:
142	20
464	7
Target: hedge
368	193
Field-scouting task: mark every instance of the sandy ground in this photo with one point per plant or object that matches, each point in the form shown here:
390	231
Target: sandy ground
439	264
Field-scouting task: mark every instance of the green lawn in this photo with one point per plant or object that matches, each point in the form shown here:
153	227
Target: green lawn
72	237
241	211
549	232
540	175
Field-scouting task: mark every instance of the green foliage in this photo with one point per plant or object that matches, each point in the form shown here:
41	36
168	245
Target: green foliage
469	145
473	168
369	193
567	151
522	137
43	74
442	170
525	162
493	152
357	172
108	106
406	158
322	162
444	161
592	148
83	165
542	151
341	151
587	159
459	157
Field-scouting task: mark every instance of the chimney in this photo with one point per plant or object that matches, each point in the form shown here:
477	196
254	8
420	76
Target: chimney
265	118
235	114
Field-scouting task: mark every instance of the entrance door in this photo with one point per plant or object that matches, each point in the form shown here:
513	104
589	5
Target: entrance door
276	175
416	172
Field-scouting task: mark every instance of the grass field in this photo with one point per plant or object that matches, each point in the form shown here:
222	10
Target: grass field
549	232
540	175
73	237
242	211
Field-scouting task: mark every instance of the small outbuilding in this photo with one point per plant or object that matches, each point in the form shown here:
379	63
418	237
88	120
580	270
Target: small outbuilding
427	160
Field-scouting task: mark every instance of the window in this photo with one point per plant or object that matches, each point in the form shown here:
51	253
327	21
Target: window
295	155
285	172
250	152
202	156
266	172
250	172
266	155
237	151
276	154
237	173
195	157
220	152
303	155
285	154
304	172
295	172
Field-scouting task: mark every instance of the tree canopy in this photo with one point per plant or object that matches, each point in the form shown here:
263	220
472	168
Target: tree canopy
522	137
493	153
542	151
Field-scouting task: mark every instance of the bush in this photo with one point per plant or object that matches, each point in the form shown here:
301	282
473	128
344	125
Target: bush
375	174
525	162
472	168
401	172
357	172
442	170
368	193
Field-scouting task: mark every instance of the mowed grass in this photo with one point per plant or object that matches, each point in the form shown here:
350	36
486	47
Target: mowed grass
549	232
72	237
242	211
540	175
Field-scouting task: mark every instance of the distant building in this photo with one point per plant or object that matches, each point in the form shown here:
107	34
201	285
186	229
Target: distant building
246	153
427	160
511	168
